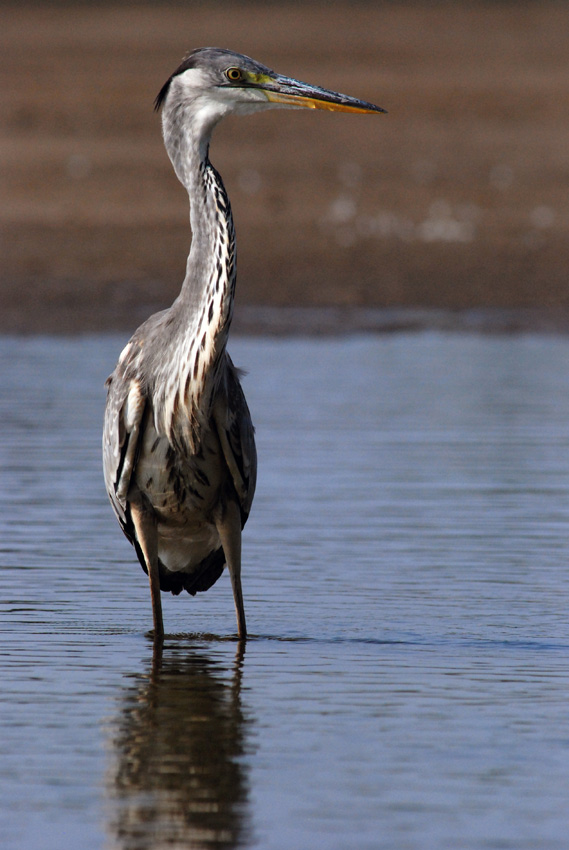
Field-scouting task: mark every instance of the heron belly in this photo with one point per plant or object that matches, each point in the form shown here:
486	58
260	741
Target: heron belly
183	548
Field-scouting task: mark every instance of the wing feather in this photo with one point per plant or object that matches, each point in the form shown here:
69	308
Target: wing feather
237	438
124	414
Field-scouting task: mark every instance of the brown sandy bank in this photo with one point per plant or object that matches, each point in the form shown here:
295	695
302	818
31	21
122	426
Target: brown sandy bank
457	199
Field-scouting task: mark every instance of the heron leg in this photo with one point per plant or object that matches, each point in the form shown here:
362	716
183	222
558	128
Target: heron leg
229	529
146	536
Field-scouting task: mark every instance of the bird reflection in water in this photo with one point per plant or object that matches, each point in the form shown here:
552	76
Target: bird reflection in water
178	778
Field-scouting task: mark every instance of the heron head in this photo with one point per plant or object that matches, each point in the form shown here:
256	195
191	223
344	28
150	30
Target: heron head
216	82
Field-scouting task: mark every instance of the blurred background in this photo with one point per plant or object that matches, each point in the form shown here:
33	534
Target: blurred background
457	199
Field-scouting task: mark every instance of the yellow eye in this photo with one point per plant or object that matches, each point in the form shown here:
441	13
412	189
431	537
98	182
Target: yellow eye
233	74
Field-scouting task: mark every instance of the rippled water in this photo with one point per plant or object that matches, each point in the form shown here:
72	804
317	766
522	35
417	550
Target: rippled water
405	576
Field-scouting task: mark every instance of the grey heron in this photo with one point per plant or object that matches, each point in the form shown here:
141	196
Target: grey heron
178	444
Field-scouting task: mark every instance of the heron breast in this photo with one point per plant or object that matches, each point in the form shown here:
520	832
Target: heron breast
182	488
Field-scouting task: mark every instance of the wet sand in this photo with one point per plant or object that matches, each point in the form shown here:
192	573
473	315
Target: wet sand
453	204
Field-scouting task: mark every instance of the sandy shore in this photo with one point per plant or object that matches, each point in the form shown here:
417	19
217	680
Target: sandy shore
456	200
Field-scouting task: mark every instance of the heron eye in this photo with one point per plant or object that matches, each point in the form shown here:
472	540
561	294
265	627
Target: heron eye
233	74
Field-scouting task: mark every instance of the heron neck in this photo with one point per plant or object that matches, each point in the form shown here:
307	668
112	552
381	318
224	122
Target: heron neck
206	297
201	315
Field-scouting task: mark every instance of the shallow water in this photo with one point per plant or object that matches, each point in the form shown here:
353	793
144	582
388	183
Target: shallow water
405	575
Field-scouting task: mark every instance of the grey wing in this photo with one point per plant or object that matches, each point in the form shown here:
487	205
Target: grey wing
124	413
237	437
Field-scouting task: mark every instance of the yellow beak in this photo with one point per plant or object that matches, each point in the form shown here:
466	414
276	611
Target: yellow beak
290	92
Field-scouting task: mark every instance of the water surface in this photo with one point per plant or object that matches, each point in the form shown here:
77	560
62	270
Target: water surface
406	685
